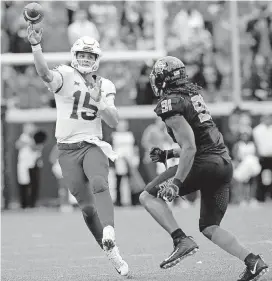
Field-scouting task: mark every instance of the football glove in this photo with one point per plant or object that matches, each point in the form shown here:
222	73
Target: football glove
169	192
157	155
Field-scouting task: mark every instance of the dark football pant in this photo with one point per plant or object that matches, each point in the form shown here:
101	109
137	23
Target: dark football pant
212	176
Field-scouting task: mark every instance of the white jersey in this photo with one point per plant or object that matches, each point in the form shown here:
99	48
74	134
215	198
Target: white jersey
78	118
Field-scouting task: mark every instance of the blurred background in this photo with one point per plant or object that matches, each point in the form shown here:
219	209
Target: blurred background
227	49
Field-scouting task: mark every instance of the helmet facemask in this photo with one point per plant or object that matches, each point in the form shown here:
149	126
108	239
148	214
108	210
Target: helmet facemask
167	75
157	84
85	64
86	45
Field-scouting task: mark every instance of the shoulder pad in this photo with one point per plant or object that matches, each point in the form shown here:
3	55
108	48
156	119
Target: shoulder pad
170	106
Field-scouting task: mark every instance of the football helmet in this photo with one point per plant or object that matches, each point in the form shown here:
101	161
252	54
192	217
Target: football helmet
89	45
168	73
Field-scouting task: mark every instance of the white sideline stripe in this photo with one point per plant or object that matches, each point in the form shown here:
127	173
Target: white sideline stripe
259	242
82	258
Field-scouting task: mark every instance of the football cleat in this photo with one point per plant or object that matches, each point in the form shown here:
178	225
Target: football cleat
108	240
183	247
117	261
256	267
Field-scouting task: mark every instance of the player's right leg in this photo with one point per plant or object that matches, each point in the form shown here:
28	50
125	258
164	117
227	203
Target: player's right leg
214	202
96	168
74	179
159	210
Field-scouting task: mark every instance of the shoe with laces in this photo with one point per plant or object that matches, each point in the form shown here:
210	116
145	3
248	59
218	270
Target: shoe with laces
183	247
117	261
112	251
256	267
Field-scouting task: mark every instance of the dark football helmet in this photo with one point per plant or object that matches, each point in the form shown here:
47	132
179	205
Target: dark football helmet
168	73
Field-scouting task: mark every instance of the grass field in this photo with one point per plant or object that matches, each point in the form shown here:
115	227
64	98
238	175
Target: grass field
47	245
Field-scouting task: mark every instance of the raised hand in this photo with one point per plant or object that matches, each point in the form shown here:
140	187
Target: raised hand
96	91
34	36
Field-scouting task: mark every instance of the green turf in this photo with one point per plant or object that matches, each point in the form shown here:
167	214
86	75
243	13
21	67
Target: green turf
47	245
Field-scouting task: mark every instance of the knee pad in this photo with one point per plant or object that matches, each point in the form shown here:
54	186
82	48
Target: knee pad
208	231
88	210
99	184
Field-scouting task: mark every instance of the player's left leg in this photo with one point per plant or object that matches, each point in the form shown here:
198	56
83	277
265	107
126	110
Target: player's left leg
96	168
159	210
214	202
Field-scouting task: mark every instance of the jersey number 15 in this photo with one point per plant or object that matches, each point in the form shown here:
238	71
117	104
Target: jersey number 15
86	104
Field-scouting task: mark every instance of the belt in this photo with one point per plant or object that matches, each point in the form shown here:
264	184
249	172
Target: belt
72	146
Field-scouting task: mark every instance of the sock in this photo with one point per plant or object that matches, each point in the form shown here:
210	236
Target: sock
177	234
104	206
229	243
94	224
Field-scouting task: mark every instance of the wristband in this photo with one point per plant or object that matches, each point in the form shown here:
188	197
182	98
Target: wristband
36	47
36	44
170	153
177	182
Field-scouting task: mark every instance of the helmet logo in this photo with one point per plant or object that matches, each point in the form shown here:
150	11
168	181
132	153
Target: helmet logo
87	49
159	67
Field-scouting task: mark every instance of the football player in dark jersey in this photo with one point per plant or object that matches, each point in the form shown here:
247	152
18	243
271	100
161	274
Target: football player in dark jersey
204	165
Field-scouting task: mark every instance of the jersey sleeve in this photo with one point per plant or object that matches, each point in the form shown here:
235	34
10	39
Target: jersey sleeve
170	106
62	75
109	91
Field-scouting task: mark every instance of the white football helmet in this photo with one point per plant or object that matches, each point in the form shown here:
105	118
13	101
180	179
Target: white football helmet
89	45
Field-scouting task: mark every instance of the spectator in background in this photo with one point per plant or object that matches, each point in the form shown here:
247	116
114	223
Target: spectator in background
112	40
246	168
71	7
30	91
55	19
257	82
153	136
143	88
132	22
30	145
82	27
127	162
262	135
18	40
237	121
185	21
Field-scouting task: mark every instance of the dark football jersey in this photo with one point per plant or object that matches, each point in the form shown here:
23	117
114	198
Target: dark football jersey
207	136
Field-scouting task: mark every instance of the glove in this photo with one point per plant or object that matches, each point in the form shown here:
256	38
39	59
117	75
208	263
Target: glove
157	155
169	192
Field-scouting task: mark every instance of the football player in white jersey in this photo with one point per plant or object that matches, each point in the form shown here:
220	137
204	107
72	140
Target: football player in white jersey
82	101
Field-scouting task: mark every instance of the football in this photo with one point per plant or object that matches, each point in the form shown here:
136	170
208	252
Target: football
33	13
